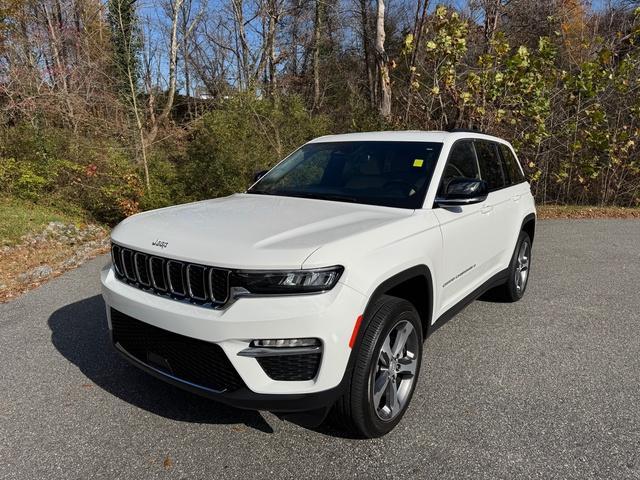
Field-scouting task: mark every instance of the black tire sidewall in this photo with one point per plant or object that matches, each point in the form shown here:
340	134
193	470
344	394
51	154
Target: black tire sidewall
511	284
392	311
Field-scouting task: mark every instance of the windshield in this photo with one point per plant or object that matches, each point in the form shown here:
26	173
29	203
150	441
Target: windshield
393	174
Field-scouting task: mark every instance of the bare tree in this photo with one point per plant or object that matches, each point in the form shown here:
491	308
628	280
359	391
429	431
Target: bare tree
382	61
317	31
366	47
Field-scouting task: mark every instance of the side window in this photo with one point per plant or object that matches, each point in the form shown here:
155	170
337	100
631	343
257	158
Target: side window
513	168
462	162
491	168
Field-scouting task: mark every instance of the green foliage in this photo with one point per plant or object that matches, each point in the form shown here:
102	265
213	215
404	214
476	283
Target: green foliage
570	108
127	44
19	217
573	123
47	168
242	137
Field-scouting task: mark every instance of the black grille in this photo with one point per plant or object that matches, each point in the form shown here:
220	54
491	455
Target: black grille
219	283
158	274
291	367
142	268
195	361
127	263
176	278
199	284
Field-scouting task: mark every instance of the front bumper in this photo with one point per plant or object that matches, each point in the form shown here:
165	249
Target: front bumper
329	317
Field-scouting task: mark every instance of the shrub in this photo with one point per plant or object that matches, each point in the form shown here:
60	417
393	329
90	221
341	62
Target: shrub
242	137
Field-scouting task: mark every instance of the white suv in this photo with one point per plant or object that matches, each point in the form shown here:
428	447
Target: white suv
317	287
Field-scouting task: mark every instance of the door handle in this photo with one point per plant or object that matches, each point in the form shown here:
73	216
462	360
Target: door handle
515	198
486	209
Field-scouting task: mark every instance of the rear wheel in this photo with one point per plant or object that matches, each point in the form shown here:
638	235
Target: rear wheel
519	269
386	370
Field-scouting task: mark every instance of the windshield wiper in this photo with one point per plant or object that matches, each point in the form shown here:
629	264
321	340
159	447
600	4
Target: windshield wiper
318	196
260	192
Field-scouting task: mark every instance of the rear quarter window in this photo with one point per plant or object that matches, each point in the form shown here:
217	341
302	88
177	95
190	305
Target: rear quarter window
490	161
512	165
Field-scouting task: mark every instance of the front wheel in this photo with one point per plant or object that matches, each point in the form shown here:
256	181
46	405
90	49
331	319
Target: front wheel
386	370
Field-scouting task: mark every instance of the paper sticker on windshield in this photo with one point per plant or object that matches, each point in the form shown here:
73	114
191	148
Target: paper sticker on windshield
418	162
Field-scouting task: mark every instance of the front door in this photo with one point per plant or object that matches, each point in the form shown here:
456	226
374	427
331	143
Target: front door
470	239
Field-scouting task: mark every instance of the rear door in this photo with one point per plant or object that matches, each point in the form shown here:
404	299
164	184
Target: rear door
518	195
501	214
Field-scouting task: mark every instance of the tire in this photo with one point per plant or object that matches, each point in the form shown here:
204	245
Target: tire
380	361
519	270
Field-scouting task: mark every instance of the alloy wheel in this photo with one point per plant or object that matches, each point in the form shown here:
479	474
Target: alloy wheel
522	266
394	372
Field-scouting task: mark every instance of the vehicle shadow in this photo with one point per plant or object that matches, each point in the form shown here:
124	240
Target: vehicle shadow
79	332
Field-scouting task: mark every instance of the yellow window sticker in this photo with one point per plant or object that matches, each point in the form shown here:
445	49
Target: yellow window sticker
418	162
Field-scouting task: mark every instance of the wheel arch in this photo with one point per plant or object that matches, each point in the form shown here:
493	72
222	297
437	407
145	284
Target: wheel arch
411	276
411	285
529	225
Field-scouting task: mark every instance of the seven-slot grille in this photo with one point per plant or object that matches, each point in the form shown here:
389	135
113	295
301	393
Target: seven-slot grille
200	284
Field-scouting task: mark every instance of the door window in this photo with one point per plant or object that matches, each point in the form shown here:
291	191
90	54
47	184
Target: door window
462	162
491	168
513	168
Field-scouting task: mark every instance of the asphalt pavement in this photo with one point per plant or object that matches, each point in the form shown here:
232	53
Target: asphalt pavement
544	388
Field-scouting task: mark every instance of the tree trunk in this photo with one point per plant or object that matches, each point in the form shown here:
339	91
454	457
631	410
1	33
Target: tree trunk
382	60
364	22
491	16
271	46
243	55
134	102
316	55
418	27
173	60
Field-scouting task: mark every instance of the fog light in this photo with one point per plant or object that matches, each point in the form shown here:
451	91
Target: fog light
286	342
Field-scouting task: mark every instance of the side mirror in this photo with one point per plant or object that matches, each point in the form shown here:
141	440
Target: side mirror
258	175
463	191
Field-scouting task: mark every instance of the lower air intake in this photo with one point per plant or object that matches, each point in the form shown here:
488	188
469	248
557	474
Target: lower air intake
291	367
195	361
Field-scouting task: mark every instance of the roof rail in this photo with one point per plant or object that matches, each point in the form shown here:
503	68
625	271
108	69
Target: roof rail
465	130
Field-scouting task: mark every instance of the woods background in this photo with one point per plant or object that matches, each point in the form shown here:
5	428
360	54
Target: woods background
113	106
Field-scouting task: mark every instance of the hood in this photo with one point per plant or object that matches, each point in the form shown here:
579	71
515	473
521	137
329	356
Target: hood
250	231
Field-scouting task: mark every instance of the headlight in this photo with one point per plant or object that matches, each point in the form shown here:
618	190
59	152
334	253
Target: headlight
285	282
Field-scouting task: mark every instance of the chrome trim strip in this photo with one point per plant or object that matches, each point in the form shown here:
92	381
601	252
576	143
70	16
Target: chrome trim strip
213	297
135	360
113	257
337	268
135	264
124	264
204	282
171	289
153	277
257	352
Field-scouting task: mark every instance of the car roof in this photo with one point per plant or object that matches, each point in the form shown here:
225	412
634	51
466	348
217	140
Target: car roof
405	136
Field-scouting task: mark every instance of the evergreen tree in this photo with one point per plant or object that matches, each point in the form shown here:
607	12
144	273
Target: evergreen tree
126	38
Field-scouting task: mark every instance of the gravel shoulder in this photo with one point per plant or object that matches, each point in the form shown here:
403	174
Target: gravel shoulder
544	388
46	254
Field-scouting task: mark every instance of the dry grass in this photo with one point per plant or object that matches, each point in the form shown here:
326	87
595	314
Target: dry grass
23	258
20	217
580	211
20	221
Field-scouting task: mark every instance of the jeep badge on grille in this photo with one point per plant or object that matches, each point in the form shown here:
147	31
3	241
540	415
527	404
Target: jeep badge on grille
160	243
